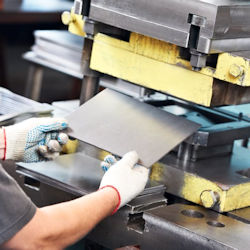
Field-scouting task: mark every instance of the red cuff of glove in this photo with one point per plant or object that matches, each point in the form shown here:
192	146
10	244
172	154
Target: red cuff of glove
2	144
119	197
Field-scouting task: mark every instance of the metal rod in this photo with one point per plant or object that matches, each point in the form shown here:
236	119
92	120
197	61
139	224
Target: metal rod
90	87
34	82
90	83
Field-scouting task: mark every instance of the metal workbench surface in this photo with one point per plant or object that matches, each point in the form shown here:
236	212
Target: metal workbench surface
175	226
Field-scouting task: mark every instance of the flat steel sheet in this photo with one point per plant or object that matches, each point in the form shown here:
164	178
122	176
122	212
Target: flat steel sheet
76	173
117	123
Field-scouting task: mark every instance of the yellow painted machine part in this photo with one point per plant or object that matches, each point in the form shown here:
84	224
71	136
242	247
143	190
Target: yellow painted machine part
207	198
157	65
75	23
227	66
194	185
233	198
230	68
70	147
237	197
193	188
170	54
118	58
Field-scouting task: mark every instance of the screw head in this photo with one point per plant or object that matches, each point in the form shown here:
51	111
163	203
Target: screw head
209	198
235	70
66	18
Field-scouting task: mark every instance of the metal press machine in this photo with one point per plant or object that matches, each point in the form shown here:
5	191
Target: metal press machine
196	53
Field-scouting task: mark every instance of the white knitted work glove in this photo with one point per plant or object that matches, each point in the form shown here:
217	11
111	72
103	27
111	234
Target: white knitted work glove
126	178
23	139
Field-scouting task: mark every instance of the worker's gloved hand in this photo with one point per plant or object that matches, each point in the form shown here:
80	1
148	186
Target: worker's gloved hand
108	161
127	178
23	140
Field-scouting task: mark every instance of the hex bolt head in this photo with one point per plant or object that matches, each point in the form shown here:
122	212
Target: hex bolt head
209	198
66	18
198	60
235	70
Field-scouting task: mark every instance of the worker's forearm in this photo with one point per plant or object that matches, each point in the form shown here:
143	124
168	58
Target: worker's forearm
78	217
63	224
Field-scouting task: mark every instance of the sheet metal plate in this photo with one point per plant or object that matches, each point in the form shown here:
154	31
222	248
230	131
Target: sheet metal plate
118	124
76	173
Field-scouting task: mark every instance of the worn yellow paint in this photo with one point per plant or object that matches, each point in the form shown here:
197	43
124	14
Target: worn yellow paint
194	185
224	66
117	58
170	53
236	70
207	198
75	23
70	147
155	49
102	154
230	199
157	65
156	172
237	197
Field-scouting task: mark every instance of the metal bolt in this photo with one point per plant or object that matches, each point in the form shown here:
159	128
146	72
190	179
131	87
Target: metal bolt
209	198
67	18
77	8
90	27
197	60
198	20
235	70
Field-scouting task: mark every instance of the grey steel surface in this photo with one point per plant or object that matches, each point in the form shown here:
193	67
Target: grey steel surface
241	215
76	173
219	126
244	54
118	124
147	202
90	83
165	227
121	86
221	170
192	227
90	87
41	185
224	25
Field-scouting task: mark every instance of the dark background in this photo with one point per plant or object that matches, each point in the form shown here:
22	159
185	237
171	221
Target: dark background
17	38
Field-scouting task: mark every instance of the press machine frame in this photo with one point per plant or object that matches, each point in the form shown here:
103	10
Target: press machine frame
111	49
171	42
